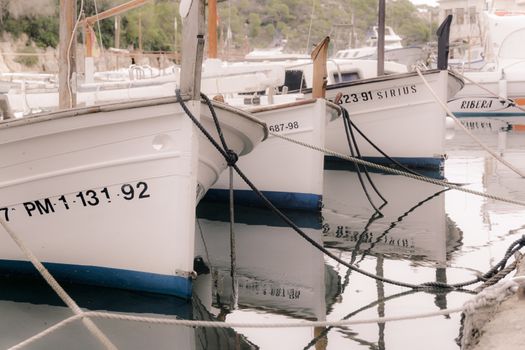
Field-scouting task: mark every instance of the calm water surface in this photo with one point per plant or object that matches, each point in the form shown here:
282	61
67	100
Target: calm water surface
426	234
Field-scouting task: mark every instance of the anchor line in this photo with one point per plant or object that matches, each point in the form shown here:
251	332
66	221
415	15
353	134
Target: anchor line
289	222
352	143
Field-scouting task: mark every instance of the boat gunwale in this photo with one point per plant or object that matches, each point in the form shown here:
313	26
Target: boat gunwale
116	106
381	78
299	102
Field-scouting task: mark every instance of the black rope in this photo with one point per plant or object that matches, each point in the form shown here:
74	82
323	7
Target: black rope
230	156
377	148
401	218
358	167
348	130
383	234
424	286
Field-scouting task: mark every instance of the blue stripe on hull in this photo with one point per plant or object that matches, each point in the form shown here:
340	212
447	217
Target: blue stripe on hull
432	167
282	200
488	114
220	211
104	276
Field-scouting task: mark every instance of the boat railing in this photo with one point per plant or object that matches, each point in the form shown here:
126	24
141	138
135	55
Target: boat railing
137	72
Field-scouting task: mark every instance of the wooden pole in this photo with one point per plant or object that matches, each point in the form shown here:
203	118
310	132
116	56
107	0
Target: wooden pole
117	32
192	50
115	11
117	39
212	28
140	32
381	39
319	56
67	54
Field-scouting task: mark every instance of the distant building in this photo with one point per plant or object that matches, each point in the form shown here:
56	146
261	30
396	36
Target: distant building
467	22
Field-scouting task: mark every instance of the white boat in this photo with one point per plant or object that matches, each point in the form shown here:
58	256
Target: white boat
398	113
415	224
107	194
504	77
289	175
394	50
392	41
276	269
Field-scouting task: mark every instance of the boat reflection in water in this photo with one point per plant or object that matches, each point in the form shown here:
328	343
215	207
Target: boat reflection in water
276	270
30	306
414	226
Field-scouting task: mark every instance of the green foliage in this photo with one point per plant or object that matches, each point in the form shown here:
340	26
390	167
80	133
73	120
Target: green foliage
253	23
153	24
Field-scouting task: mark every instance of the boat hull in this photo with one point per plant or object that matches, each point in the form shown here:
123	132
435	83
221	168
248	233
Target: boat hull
397	113
107	195
289	175
475	102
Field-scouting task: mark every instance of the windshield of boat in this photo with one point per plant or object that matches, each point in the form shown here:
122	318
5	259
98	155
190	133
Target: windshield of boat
512	46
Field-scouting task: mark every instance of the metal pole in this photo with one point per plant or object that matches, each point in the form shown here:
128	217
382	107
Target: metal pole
381	39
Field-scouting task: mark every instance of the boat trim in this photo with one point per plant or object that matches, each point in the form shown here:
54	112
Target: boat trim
284	200
110	107
104	277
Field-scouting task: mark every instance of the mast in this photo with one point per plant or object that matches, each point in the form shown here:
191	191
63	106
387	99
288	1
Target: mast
192	14
66	57
381	39
212	28
319	57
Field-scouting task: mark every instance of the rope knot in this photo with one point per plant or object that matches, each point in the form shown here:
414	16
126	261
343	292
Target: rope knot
232	157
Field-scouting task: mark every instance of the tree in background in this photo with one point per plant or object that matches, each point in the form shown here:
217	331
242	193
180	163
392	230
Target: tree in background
294	24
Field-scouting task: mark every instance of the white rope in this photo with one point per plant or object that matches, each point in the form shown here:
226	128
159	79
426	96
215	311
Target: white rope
490	295
495	293
484	302
398	172
485	89
58	289
70	91
478	141
101	44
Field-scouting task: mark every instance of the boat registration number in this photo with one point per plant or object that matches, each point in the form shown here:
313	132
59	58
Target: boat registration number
376	95
284	126
81	199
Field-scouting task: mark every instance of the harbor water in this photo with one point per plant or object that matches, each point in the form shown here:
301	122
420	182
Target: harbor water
426	233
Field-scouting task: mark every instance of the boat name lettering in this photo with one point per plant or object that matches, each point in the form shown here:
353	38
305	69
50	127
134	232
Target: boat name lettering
477	124
87	198
382	94
270	290
344	232
477	104
284	126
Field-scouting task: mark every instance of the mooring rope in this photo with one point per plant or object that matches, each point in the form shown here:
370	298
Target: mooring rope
231	159
289	222
396	171
487	297
456	120
352	143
